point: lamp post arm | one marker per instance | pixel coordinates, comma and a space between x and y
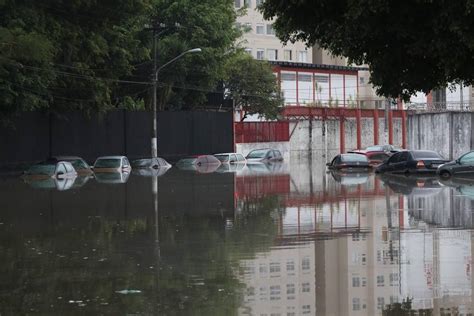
169, 62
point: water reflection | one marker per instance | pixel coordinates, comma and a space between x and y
276, 240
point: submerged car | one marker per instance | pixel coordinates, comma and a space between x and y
112, 164
80, 165
150, 163
349, 178
264, 155
412, 161
375, 157
49, 175
230, 158
200, 163
412, 185
463, 166
389, 149
349, 162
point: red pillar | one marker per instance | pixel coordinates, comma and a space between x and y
342, 136
401, 207
404, 129
359, 129
297, 92
376, 126
390, 127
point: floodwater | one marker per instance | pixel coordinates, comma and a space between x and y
268, 240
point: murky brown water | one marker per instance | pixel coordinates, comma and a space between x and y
270, 240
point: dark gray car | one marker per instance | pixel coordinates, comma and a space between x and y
463, 166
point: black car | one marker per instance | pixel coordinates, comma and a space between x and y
412, 161
349, 162
463, 166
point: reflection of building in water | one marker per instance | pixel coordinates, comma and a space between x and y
280, 282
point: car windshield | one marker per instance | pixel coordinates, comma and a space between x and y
222, 158
374, 148
79, 164
259, 153
354, 158
42, 169
142, 163
426, 155
187, 161
107, 163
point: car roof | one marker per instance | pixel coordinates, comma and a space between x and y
66, 157
111, 157
227, 154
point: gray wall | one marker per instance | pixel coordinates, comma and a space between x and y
310, 138
449, 133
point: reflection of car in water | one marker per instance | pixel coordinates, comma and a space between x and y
227, 167
112, 177
150, 172
51, 175
80, 165
350, 178
463, 166
230, 158
465, 186
412, 185
201, 164
268, 168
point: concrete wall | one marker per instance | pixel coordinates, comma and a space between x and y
450, 133
283, 147
313, 138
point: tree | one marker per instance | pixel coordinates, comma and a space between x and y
68, 54
206, 24
252, 85
409, 46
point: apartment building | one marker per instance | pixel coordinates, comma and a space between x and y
260, 41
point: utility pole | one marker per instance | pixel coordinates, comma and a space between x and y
154, 136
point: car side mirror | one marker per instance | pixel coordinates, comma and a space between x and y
60, 173
328, 164
458, 161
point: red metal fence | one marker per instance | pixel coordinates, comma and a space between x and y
260, 132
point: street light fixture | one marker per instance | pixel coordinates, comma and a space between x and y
154, 143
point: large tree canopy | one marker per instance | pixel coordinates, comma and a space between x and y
410, 46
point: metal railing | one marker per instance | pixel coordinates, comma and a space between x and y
441, 106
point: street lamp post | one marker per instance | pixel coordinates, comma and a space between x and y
154, 143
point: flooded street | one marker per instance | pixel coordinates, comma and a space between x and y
265, 240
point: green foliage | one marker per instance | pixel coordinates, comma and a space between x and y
410, 46
67, 54
206, 24
252, 85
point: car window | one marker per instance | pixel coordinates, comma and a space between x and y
42, 169
468, 158
403, 157
337, 160
60, 169
379, 157
258, 153
107, 163
233, 158
353, 157
374, 148
240, 157
79, 164
278, 154
69, 168
125, 162
270, 154
425, 154
222, 158
394, 158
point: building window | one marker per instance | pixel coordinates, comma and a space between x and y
247, 28
364, 282
274, 267
270, 30
260, 29
290, 266
287, 54
272, 54
260, 54
393, 279
380, 302
356, 304
237, 3
248, 51
305, 288
362, 80
303, 56
355, 282
380, 280
263, 268
306, 309
247, 3
258, 2
290, 289
305, 264
275, 293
